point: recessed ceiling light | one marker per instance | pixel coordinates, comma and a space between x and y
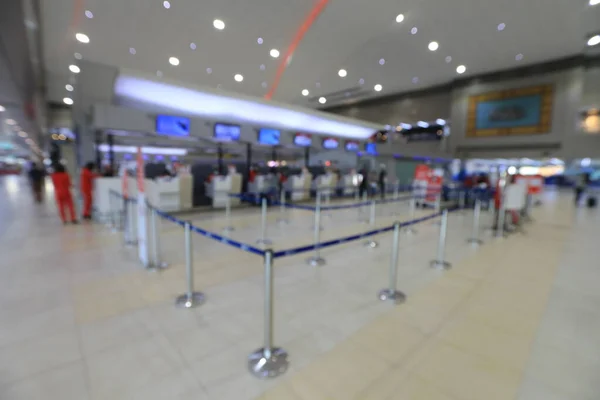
594, 40
381, 61
23, 134
262, 67
342, 73
89, 14
305, 92
274, 53
264, 84
594, 2
415, 79
132, 51
209, 71
218, 24
77, 56
10, 121
259, 40
399, 18
69, 88
414, 30
174, 61
193, 46
238, 77
378, 88
166, 4
448, 59
82, 37
159, 74
501, 26
433, 46
74, 69
461, 69
322, 100
519, 57
68, 100
361, 81
2, 109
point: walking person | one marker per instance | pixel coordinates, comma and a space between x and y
62, 191
87, 187
37, 176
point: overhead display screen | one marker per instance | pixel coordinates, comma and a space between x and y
331, 143
170, 125
351, 145
371, 148
226, 133
269, 137
303, 140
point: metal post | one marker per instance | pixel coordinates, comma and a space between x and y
113, 212
474, 240
191, 298
268, 361
282, 219
155, 236
411, 216
372, 243
130, 237
391, 293
316, 260
501, 219
439, 262
263, 224
228, 227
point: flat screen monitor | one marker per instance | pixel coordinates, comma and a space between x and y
269, 137
331, 143
352, 145
303, 140
226, 133
170, 125
371, 148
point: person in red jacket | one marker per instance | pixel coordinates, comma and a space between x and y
62, 191
87, 187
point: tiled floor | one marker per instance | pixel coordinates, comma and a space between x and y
514, 319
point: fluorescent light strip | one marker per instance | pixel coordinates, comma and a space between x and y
167, 151
235, 109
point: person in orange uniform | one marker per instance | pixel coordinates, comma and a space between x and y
87, 186
62, 191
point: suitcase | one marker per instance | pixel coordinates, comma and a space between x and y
591, 202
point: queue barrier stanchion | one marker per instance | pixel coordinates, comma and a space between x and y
156, 263
439, 262
228, 228
391, 293
268, 361
190, 298
411, 215
371, 243
282, 218
501, 219
263, 224
316, 260
474, 239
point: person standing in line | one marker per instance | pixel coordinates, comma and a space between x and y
381, 181
363, 185
87, 187
62, 191
37, 175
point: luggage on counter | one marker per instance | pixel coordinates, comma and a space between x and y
591, 202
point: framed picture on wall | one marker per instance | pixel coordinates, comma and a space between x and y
523, 111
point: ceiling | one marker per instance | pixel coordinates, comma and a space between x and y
349, 34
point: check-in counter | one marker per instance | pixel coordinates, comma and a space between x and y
221, 187
349, 184
299, 185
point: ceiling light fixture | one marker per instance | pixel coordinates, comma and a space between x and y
594, 2
218, 24
381, 61
501, 26
433, 46
209, 71
440, 121
361, 81
274, 53
166, 4
77, 56
305, 92
378, 87
193, 46
415, 79
322, 100
89, 14
82, 37
399, 18
68, 101
594, 40
448, 59
423, 124
259, 40
414, 30
74, 69
174, 61
519, 57
2, 109
238, 77
461, 69
69, 88
342, 73
132, 51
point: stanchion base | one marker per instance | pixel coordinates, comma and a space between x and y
185, 301
371, 244
392, 295
315, 261
475, 242
264, 242
440, 264
268, 364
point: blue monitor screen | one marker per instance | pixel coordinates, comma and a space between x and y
226, 133
371, 148
330, 143
302, 140
269, 137
352, 146
172, 126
